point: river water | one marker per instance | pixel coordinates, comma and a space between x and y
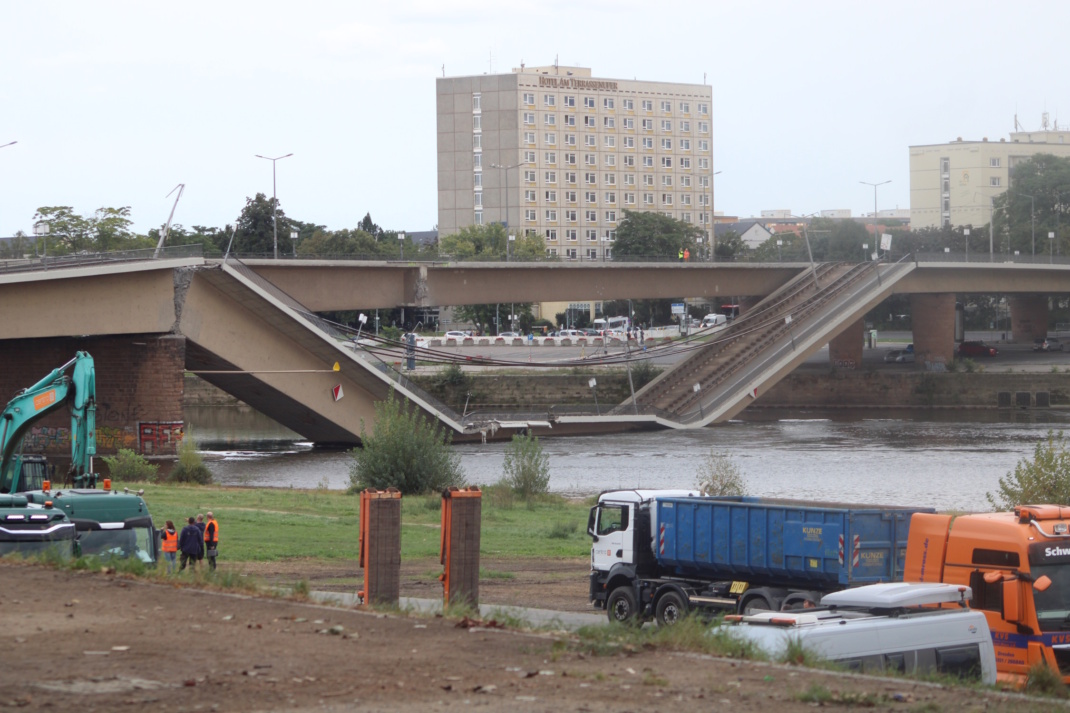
943, 459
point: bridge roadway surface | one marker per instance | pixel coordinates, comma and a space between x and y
264, 344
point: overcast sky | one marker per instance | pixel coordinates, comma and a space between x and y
115, 103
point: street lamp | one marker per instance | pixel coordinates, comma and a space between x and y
1032, 220
274, 200
401, 242
507, 169
711, 195
876, 238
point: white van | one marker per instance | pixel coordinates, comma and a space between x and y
895, 626
713, 320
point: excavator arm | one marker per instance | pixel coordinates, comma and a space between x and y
76, 391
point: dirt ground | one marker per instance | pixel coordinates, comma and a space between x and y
95, 641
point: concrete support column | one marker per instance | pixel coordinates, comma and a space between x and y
1029, 317
933, 316
845, 349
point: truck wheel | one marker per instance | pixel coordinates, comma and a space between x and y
757, 603
671, 609
620, 607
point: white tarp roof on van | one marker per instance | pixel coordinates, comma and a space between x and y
892, 595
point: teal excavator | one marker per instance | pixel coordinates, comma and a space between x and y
108, 523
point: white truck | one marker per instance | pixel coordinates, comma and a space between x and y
881, 628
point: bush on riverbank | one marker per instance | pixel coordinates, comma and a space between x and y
190, 467
527, 467
405, 452
1044, 479
719, 475
130, 466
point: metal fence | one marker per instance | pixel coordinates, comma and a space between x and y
86, 259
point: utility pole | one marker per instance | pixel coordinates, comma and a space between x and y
274, 200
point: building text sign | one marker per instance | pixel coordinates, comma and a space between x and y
576, 83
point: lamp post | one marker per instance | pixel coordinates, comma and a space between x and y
509, 247
1051, 246
779, 242
876, 238
966, 234
507, 169
401, 243
274, 200
865, 251
711, 195
293, 241
1032, 220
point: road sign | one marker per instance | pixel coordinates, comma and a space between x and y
677, 307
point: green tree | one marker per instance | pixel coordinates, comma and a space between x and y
527, 467
729, 246
344, 243
255, 228
67, 231
1044, 479
407, 452
490, 242
483, 315
845, 241
1017, 217
719, 475
653, 235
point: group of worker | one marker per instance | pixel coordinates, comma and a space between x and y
684, 254
198, 540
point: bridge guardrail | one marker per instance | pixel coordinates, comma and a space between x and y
83, 259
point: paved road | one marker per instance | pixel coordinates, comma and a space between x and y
569, 621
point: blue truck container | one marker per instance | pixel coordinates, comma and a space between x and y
821, 546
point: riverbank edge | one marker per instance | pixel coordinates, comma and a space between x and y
803, 389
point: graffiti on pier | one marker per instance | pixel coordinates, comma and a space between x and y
159, 436
52, 439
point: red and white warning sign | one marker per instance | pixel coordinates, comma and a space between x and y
337, 392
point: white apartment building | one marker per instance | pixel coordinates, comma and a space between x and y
953, 184
554, 152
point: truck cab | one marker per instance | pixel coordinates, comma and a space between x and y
1018, 565
29, 529
109, 523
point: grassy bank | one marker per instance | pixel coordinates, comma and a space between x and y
276, 524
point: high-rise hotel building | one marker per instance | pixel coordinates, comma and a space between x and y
554, 152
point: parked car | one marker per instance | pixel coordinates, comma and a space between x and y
571, 333
509, 335
899, 356
977, 349
1047, 344
456, 335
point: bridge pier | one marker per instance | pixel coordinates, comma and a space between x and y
934, 326
845, 349
1029, 317
139, 390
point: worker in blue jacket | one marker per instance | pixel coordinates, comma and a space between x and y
191, 544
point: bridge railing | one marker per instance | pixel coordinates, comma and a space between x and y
84, 259
331, 330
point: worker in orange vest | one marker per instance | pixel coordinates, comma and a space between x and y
169, 545
211, 540
687, 254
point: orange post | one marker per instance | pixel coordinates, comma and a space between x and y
459, 546
380, 546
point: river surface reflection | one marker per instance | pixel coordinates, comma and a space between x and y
947, 460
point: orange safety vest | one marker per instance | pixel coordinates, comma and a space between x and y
169, 541
207, 538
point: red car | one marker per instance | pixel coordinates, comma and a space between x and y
976, 349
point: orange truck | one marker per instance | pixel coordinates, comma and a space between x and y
1018, 565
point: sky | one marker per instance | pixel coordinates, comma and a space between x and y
116, 103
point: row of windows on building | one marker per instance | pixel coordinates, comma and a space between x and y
608, 142
665, 126
608, 103
945, 185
